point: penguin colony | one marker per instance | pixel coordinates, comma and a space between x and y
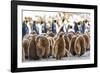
57, 46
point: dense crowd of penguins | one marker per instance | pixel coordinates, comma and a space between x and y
51, 45
57, 36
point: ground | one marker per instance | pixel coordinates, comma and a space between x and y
83, 57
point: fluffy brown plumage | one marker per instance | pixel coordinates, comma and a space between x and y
59, 46
87, 41
42, 46
79, 45
72, 49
